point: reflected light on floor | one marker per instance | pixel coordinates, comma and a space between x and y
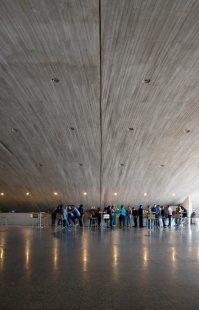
85, 260
173, 255
145, 257
1, 258
115, 261
55, 254
27, 253
115, 254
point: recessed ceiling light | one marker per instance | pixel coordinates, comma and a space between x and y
80, 165
55, 80
173, 194
39, 165
2, 166
2, 194
146, 81
14, 129
121, 165
145, 194
187, 131
130, 129
71, 128
27, 194
161, 166
115, 194
85, 194
55, 193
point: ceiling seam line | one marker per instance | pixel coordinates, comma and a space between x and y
100, 99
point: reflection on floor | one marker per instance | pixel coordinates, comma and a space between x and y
99, 269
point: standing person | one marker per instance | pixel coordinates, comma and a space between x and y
155, 210
65, 218
81, 211
110, 211
53, 215
99, 216
92, 214
163, 216
148, 212
140, 214
135, 215
169, 210
114, 215
184, 213
178, 220
122, 216
128, 216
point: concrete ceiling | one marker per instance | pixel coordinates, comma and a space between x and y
100, 52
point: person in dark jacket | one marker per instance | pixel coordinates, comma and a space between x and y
110, 211
53, 214
140, 214
135, 216
99, 216
163, 215
81, 211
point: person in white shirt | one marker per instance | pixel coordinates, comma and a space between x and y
169, 211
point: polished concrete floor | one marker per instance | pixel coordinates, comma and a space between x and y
99, 269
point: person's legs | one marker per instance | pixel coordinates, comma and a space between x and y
120, 220
111, 221
169, 220
127, 220
123, 219
80, 222
163, 221
72, 218
66, 223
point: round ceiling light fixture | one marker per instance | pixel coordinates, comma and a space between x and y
173, 194
27, 194
146, 81
55, 80
55, 193
2, 194
145, 194
85, 194
115, 194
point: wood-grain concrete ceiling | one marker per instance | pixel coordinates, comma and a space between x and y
100, 51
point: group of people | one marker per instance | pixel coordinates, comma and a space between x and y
127, 216
69, 214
